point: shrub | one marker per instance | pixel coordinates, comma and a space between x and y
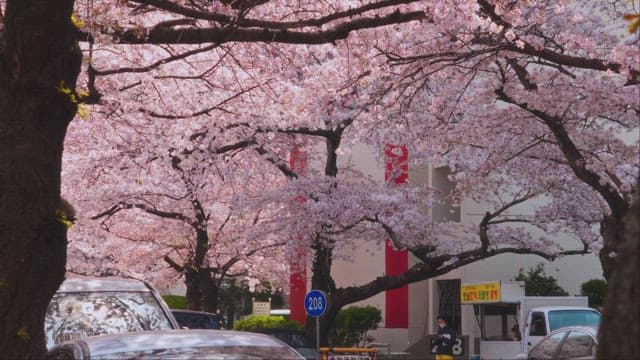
263, 322
537, 283
352, 324
178, 302
595, 289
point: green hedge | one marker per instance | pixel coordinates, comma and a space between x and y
262, 322
178, 302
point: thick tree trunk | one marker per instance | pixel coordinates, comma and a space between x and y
612, 229
38, 55
210, 292
322, 280
202, 290
620, 329
194, 293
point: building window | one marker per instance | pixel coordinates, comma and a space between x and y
444, 209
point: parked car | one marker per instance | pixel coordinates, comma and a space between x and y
88, 306
297, 339
574, 342
176, 344
196, 319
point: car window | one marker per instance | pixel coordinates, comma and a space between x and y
538, 326
75, 315
196, 321
547, 347
562, 318
577, 345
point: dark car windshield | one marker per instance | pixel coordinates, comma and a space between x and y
210, 353
562, 318
196, 320
81, 314
293, 338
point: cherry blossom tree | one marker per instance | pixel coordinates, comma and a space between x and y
172, 215
552, 81
40, 62
524, 101
519, 105
478, 70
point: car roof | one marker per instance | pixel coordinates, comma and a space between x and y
588, 329
182, 311
167, 339
86, 283
554, 308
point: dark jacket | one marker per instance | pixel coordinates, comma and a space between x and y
444, 345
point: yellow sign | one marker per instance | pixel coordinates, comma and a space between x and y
480, 293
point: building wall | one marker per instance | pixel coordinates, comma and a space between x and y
570, 271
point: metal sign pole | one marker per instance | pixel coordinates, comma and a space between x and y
318, 333
315, 304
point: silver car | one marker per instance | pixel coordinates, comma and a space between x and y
176, 344
88, 306
573, 342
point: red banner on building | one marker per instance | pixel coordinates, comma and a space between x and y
298, 272
396, 314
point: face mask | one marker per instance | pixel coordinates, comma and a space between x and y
441, 325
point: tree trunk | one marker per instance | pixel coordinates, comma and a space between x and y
38, 55
612, 229
202, 290
210, 293
194, 293
620, 329
322, 280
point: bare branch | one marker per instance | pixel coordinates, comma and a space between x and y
164, 35
157, 63
144, 207
280, 25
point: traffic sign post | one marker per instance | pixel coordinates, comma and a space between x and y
315, 304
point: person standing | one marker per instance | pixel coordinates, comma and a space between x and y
444, 340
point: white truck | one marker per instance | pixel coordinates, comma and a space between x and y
510, 323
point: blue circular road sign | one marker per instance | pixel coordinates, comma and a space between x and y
315, 303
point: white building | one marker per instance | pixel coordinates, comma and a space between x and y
441, 295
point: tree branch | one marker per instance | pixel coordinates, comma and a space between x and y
280, 25
155, 64
576, 161
144, 207
550, 55
173, 264
422, 271
164, 35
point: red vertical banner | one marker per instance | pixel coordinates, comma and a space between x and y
298, 272
396, 312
